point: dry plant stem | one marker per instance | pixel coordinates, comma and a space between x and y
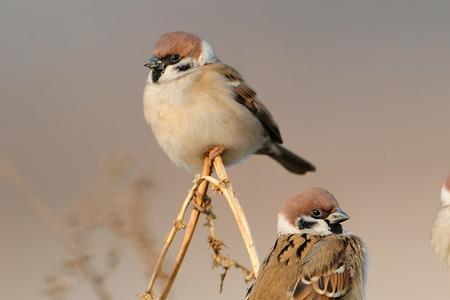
219, 259
190, 228
48, 217
177, 225
227, 191
94, 280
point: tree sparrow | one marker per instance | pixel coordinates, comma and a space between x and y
195, 103
440, 234
313, 257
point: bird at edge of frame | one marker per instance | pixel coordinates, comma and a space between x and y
194, 104
313, 258
440, 233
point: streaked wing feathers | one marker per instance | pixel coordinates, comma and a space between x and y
246, 96
279, 271
329, 268
330, 286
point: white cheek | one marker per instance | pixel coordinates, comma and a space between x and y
171, 72
284, 227
321, 227
445, 197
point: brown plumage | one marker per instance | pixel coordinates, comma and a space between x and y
304, 265
447, 183
183, 43
194, 102
245, 95
306, 201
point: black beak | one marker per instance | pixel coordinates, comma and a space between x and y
337, 217
154, 63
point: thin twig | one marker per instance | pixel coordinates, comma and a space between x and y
201, 204
177, 225
190, 228
227, 191
219, 259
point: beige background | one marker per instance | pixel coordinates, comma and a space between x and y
360, 88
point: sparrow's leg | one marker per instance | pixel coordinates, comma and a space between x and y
213, 152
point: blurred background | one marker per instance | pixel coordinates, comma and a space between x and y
359, 88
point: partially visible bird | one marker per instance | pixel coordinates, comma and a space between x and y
195, 103
313, 258
440, 233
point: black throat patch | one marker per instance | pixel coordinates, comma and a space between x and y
156, 74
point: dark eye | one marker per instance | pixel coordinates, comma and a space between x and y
174, 58
316, 213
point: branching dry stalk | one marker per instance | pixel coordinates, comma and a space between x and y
197, 196
81, 262
227, 191
199, 202
109, 206
220, 260
177, 225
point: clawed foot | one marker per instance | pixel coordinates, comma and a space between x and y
215, 151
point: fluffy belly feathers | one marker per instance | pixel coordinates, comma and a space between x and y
187, 124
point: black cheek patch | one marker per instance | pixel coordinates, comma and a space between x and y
183, 68
303, 224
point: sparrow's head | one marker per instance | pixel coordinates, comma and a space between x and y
445, 192
313, 211
177, 54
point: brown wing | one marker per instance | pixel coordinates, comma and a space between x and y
332, 285
309, 267
246, 96
279, 272
332, 268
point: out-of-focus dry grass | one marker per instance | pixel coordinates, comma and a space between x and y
114, 210
100, 224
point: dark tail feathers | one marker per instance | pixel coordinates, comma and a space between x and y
288, 159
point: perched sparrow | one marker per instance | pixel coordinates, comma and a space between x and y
440, 234
313, 257
194, 103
